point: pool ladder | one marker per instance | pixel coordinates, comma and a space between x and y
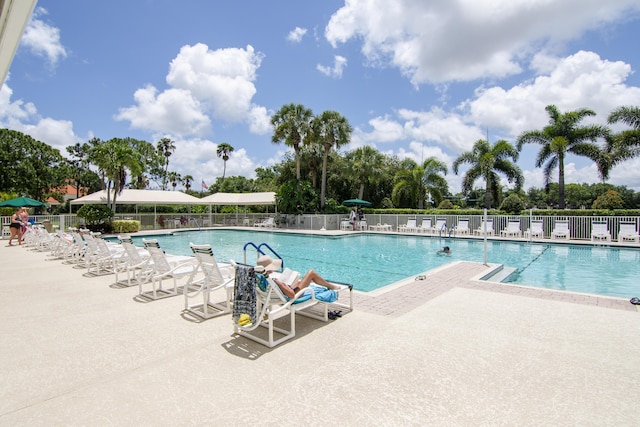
260, 249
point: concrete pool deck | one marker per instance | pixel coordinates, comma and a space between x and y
447, 350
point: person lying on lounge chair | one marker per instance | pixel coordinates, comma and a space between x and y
292, 284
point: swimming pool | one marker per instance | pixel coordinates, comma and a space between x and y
371, 261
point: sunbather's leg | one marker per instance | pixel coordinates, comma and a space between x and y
312, 277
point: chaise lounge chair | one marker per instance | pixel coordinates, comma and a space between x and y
267, 223
535, 230
512, 229
208, 277
425, 227
628, 233
600, 231
271, 304
411, 225
161, 269
462, 227
561, 230
480, 231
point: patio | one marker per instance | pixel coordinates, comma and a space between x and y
77, 351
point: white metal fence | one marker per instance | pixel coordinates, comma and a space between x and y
579, 226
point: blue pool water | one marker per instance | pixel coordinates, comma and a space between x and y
371, 261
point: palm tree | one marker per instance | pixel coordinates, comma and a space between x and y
330, 129
113, 158
624, 145
486, 161
174, 177
187, 180
561, 136
311, 155
165, 147
415, 182
292, 124
223, 151
366, 165
434, 183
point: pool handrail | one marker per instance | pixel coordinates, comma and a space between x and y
260, 251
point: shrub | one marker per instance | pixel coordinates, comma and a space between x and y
126, 226
445, 204
512, 204
95, 214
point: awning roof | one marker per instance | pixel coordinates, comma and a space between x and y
240, 199
141, 197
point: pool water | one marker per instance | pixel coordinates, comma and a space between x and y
371, 261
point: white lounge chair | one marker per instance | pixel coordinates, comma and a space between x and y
411, 225
272, 303
136, 263
480, 231
600, 231
462, 227
441, 225
208, 277
561, 230
425, 226
162, 269
267, 223
512, 230
628, 232
536, 229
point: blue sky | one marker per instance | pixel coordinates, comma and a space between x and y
414, 78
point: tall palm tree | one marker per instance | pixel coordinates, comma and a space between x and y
486, 161
165, 147
174, 177
223, 151
366, 165
187, 180
113, 158
330, 129
624, 145
311, 155
434, 183
292, 124
561, 136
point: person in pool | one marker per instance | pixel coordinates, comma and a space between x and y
445, 251
270, 265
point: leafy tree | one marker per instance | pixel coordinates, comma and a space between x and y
331, 130
445, 204
297, 197
151, 161
223, 150
608, 200
561, 136
27, 166
165, 148
621, 146
415, 182
486, 161
292, 125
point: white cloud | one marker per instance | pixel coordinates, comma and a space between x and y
205, 85
296, 34
339, 62
582, 80
173, 111
462, 40
42, 39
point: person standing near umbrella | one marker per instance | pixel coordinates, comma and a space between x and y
16, 226
353, 219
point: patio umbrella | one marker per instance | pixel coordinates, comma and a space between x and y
357, 202
22, 202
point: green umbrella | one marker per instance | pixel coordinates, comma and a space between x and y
357, 202
22, 202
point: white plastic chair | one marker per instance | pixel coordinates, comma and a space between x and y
628, 233
535, 230
561, 230
600, 231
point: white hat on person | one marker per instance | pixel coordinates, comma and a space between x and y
268, 263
